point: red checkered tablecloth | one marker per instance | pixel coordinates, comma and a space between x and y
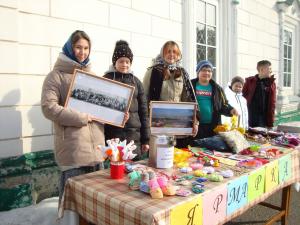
104, 201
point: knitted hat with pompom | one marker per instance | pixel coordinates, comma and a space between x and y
122, 50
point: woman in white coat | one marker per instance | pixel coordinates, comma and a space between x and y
236, 100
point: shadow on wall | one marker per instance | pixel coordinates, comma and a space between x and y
41, 132
11, 125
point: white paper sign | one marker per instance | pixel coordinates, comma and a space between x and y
165, 157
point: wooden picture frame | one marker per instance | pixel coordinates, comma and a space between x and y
172, 118
106, 100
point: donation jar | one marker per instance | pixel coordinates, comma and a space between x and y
161, 152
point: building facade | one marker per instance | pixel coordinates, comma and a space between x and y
232, 34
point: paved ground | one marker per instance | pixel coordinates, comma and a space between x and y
258, 215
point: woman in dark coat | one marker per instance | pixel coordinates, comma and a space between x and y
168, 81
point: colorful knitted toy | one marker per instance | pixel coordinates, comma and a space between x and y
166, 187
135, 179
144, 186
155, 190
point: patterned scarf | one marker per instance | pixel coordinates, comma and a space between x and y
176, 67
68, 51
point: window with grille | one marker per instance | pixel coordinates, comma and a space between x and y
287, 58
206, 28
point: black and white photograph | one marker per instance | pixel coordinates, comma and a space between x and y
172, 118
106, 100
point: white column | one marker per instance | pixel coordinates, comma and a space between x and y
281, 51
234, 39
281, 98
228, 25
297, 57
189, 37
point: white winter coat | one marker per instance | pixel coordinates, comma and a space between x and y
237, 101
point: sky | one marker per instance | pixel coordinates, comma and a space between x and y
171, 112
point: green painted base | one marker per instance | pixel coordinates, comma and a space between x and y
287, 117
27, 179
15, 197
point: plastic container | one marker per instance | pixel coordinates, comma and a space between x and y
117, 170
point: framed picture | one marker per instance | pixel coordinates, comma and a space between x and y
172, 118
106, 100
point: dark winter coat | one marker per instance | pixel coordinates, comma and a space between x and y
153, 82
219, 103
137, 127
248, 93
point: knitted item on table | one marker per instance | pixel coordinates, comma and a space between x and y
227, 173
144, 187
135, 180
215, 177
155, 190
166, 187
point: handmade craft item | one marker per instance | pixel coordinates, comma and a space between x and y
118, 151
197, 189
185, 169
201, 179
196, 166
181, 155
144, 184
227, 173
208, 170
250, 163
135, 179
166, 187
199, 173
155, 190
215, 177
183, 192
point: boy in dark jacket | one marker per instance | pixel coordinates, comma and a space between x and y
260, 93
211, 100
137, 126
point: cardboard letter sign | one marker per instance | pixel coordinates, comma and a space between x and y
237, 194
215, 205
285, 168
256, 184
189, 213
271, 175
